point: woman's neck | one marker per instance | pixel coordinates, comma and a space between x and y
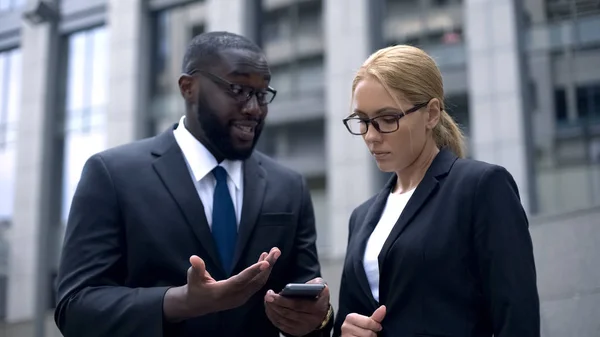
411, 176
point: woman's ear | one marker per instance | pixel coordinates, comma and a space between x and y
434, 113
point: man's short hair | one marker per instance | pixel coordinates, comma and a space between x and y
204, 49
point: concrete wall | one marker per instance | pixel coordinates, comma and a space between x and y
495, 96
348, 157
567, 248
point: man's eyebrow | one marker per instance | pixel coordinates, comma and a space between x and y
238, 73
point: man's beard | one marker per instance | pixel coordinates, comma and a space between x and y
219, 136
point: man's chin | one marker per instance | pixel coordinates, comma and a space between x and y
239, 153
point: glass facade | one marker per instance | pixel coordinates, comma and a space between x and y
10, 88
85, 102
564, 68
173, 29
437, 28
293, 42
8, 5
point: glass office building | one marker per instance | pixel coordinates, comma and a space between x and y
521, 77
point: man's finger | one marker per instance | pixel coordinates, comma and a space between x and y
273, 256
259, 280
198, 268
294, 304
317, 280
292, 317
247, 275
262, 257
379, 314
280, 320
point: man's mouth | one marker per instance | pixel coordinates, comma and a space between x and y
245, 129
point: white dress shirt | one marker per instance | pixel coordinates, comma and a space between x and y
393, 208
200, 163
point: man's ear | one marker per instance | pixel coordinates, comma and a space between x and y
187, 88
434, 113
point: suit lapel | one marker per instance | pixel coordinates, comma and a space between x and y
439, 167
172, 170
255, 184
371, 220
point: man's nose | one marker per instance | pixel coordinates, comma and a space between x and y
252, 107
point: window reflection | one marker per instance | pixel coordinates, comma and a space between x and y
86, 98
9, 5
173, 29
10, 89
564, 66
10, 67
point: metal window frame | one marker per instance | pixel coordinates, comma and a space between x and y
10, 29
160, 5
79, 15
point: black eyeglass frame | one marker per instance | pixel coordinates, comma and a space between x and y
374, 122
235, 89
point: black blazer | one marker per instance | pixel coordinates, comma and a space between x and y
135, 220
458, 263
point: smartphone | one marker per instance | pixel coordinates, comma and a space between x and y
303, 290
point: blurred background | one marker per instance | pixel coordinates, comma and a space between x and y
522, 77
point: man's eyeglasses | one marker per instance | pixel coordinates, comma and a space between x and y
241, 93
386, 123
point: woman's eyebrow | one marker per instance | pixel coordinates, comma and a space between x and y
377, 112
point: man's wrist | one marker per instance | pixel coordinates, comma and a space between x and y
327, 318
175, 306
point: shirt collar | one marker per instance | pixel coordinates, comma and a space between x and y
200, 160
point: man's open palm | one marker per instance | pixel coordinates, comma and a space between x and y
208, 295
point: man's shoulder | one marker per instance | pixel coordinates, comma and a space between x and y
276, 170
126, 154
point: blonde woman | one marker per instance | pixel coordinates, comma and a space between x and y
444, 249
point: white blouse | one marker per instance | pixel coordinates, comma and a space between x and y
393, 208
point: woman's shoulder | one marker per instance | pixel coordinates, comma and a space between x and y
472, 168
480, 174
362, 209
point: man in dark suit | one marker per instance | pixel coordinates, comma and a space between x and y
196, 194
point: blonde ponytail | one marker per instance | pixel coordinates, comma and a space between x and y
448, 134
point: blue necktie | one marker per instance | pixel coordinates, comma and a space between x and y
224, 223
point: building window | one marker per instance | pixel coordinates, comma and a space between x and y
299, 79
560, 105
10, 67
10, 88
560, 10
293, 32
10, 95
173, 28
9, 5
86, 99
588, 102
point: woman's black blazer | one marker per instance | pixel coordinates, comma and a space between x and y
458, 262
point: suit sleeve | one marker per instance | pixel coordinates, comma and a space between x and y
343, 308
306, 266
92, 300
505, 256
